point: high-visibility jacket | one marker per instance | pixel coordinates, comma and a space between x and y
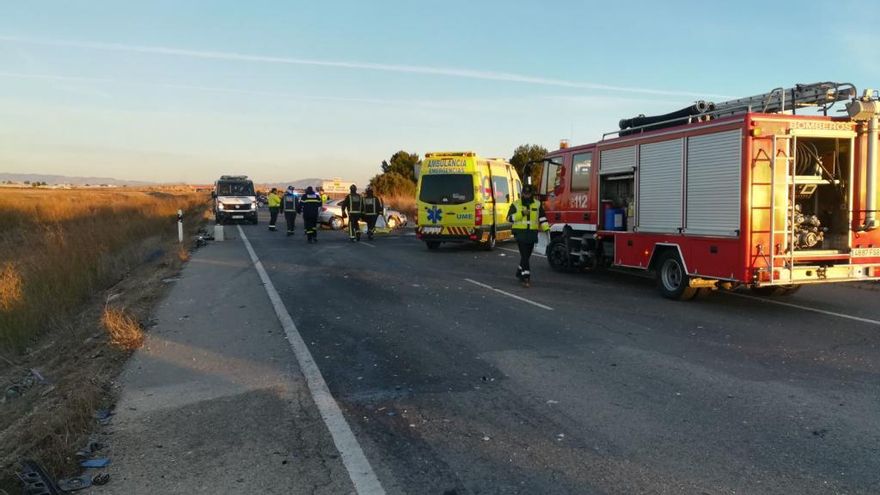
528, 220
324, 198
372, 205
354, 203
274, 200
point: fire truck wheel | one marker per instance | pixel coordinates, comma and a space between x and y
558, 256
673, 280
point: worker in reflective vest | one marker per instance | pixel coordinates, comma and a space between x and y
274, 201
528, 218
372, 210
324, 197
310, 206
289, 206
354, 205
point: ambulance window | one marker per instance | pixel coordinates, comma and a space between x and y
447, 189
581, 166
502, 189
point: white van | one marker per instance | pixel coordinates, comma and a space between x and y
234, 199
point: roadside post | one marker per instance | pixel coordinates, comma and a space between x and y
180, 226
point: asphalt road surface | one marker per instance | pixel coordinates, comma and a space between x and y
584, 383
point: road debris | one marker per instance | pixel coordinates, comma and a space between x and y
97, 462
35, 480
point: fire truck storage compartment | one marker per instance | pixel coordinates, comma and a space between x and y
818, 215
617, 186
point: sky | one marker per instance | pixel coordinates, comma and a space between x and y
184, 91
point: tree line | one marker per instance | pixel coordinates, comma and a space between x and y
398, 176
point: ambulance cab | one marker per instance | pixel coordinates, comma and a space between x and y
462, 197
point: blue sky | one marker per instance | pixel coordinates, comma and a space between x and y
281, 90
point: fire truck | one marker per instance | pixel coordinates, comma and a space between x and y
749, 192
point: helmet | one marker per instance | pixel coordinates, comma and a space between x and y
290, 188
353, 188
309, 190
527, 189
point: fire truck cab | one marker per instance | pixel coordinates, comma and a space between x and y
739, 193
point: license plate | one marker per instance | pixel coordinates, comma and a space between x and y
866, 252
431, 230
237, 217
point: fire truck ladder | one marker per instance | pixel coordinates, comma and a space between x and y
780, 100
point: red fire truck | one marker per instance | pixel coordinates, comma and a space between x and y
749, 192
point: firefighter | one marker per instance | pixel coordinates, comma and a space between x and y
354, 205
274, 201
372, 209
528, 218
290, 205
309, 206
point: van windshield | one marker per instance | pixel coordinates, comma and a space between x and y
450, 189
235, 189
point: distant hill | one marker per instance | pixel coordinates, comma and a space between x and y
299, 184
64, 179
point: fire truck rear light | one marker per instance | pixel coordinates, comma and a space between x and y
756, 132
473, 237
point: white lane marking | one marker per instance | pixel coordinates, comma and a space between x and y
534, 253
365, 243
356, 463
807, 308
508, 294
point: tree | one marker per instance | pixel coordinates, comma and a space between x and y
401, 163
393, 184
525, 153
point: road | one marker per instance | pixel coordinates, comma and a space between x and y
452, 387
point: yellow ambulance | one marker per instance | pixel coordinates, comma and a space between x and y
462, 197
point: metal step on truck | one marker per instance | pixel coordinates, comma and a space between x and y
749, 192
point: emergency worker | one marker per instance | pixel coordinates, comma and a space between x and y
528, 218
274, 201
372, 209
309, 206
290, 205
354, 205
324, 197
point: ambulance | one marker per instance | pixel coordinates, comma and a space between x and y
462, 197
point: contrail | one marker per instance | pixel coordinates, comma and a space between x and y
409, 69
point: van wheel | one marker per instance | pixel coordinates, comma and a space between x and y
672, 280
432, 245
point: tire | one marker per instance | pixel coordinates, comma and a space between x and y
775, 290
336, 223
672, 279
393, 222
432, 245
558, 256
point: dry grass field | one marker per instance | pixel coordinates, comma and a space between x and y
80, 272
60, 246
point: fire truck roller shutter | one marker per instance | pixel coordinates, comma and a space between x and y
660, 176
617, 160
714, 172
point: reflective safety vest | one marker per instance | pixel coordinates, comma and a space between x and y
274, 200
324, 198
290, 202
355, 203
371, 205
528, 217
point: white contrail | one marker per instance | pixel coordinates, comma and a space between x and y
411, 69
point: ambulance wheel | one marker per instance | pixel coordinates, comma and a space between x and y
432, 245
672, 279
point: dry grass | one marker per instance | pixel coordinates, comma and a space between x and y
402, 203
124, 331
64, 255
60, 247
